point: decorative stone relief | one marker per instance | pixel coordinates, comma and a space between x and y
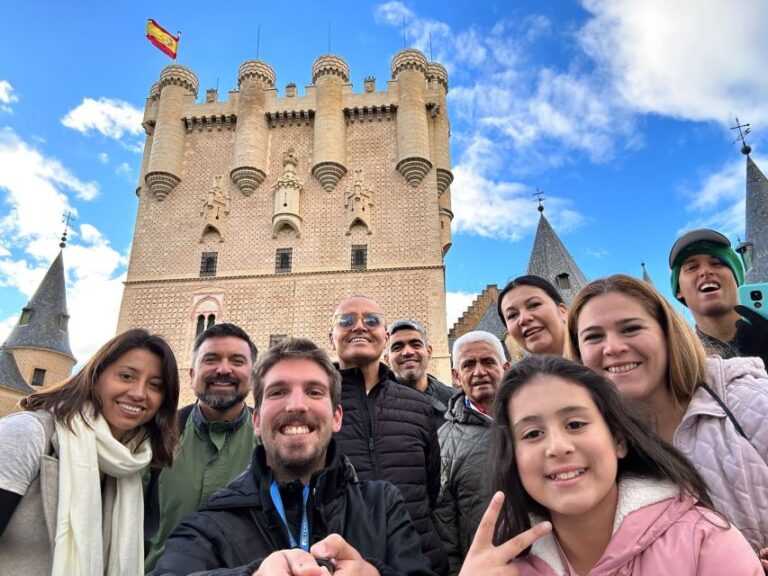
287, 196
215, 210
358, 205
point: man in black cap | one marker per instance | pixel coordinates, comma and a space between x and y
706, 273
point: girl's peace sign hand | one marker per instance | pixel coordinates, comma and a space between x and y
485, 558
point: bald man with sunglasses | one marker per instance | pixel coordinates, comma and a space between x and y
388, 431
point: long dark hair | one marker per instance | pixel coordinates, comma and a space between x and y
528, 280
73, 395
647, 454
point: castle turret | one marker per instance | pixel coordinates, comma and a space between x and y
329, 74
177, 84
440, 148
40, 340
409, 68
252, 133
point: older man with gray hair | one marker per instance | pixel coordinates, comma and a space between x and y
478, 365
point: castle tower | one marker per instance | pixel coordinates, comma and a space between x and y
329, 75
39, 343
177, 85
409, 68
551, 260
440, 147
757, 222
252, 135
277, 261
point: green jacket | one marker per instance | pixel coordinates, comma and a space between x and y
212, 454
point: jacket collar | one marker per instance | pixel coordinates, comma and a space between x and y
634, 494
350, 376
460, 414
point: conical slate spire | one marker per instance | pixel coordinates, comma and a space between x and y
43, 322
646, 276
550, 260
757, 222
10, 377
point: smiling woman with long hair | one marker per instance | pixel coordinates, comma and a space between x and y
70, 484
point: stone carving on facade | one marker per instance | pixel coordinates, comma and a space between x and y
215, 210
358, 203
287, 197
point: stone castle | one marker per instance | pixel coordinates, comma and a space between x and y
267, 211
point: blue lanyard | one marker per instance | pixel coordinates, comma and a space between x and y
277, 500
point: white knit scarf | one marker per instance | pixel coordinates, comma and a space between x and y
78, 548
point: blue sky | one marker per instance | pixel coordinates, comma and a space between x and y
618, 110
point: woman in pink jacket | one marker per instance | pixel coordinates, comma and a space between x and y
712, 410
604, 494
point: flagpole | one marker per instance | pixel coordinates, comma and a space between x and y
178, 45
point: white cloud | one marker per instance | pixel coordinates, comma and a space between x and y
456, 303
691, 59
112, 118
717, 199
7, 96
36, 187
36, 195
103, 157
497, 208
125, 171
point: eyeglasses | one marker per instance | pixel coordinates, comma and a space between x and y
370, 320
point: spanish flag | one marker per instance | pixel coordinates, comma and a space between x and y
161, 38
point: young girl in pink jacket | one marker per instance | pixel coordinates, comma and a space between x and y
604, 494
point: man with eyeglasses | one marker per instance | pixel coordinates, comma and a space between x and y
408, 355
388, 431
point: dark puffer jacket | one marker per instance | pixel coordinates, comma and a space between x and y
390, 434
464, 444
238, 526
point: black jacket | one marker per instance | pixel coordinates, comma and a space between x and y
464, 492
238, 526
439, 394
390, 434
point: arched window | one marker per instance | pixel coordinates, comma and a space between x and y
200, 325
208, 263
211, 321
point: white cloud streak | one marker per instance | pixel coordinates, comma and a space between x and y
7, 97
112, 118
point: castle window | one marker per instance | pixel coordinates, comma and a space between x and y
276, 339
203, 323
359, 256
208, 264
26, 316
38, 377
63, 321
563, 281
283, 260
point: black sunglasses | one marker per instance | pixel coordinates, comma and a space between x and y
370, 320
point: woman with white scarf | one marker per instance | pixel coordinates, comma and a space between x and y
71, 498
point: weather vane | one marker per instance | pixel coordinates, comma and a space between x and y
745, 148
539, 197
67, 218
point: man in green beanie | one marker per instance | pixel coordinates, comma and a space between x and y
706, 272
